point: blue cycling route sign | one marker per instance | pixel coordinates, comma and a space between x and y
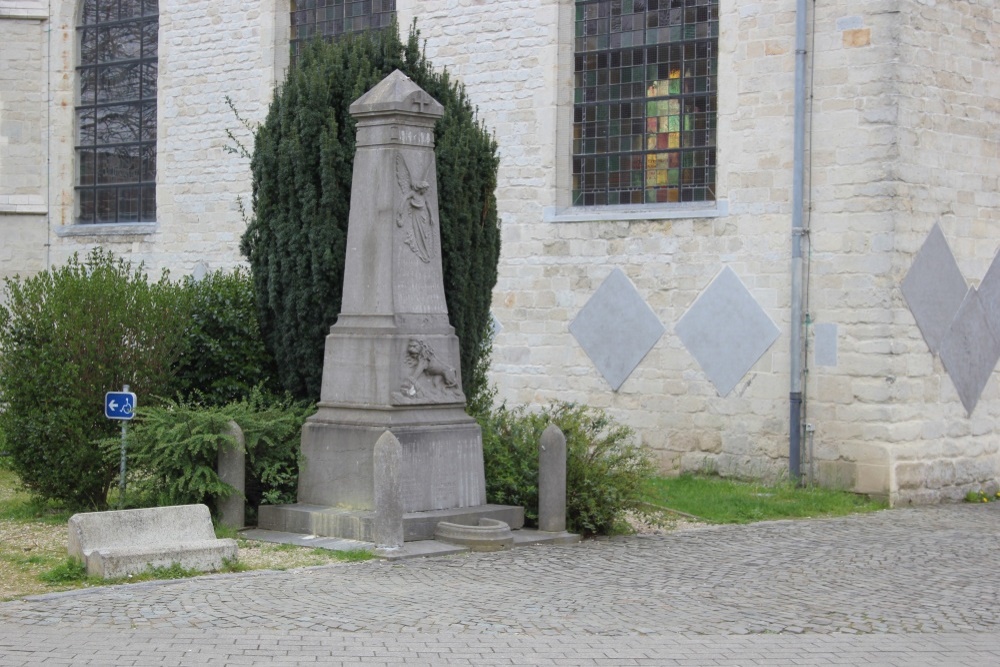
119, 405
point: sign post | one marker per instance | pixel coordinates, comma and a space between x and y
120, 405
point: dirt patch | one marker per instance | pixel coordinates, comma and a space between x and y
26, 550
664, 523
29, 548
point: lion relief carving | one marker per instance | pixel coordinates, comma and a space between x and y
425, 377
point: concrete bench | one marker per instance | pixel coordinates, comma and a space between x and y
116, 544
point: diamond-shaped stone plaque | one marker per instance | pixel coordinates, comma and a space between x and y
616, 328
495, 325
989, 295
934, 288
726, 331
970, 351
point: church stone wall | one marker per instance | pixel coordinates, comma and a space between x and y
23, 225
949, 173
881, 404
208, 51
550, 268
901, 137
903, 103
852, 290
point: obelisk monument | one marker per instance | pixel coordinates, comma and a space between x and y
392, 358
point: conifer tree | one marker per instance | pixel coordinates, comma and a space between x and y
302, 167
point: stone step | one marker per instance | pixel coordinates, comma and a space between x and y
522, 538
359, 524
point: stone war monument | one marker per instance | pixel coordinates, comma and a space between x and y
392, 358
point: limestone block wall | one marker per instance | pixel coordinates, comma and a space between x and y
552, 265
208, 51
23, 32
949, 172
881, 405
905, 98
901, 137
853, 196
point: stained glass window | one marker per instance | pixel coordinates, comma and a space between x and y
116, 111
330, 18
644, 113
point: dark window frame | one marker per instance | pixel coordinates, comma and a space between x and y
116, 111
332, 18
645, 102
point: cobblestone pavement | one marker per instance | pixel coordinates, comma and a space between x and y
903, 587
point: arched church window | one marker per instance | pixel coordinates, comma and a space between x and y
331, 18
116, 111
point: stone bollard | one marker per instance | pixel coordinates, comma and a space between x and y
388, 528
232, 471
552, 480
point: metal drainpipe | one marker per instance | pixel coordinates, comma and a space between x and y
798, 231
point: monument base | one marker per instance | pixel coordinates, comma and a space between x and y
441, 467
359, 524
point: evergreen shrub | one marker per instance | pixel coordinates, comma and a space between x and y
224, 358
302, 170
67, 336
173, 450
605, 469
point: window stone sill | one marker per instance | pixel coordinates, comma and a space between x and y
32, 10
109, 229
716, 209
23, 209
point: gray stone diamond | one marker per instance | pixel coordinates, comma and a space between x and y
970, 350
726, 331
934, 288
989, 295
616, 328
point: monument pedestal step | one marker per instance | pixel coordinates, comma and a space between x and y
359, 524
522, 538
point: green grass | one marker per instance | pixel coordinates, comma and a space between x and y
718, 500
19, 505
349, 556
70, 571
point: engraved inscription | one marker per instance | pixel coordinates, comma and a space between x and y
416, 137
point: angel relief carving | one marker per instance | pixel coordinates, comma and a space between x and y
414, 215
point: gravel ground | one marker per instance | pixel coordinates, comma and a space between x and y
28, 549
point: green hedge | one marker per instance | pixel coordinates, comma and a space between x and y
67, 336
173, 451
72, 333
605, 469
224, 357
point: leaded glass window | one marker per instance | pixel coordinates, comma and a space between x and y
330, 18
116, 114
644, 113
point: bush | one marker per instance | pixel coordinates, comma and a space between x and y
302, 170
67, 336
174, 450
605, 470
224, 357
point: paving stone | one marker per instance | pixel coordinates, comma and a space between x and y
911, 587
